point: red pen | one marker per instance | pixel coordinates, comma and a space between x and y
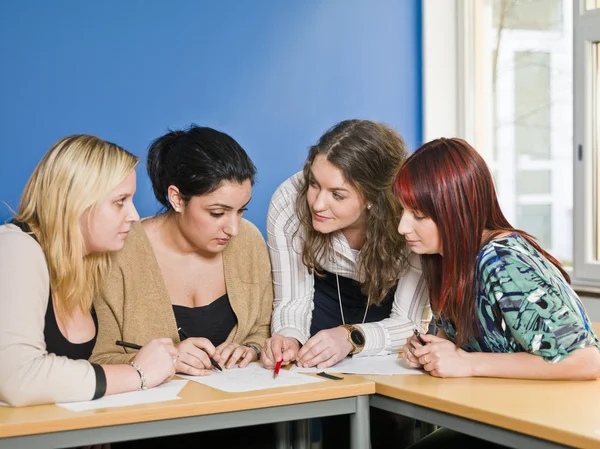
277, 367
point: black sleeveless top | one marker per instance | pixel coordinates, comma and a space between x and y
213, 321
326, 313
56, 343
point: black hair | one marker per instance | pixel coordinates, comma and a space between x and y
196, 161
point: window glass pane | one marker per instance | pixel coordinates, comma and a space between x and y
545, 15
534, 182
532, 104
591, 4
536, 219
530, 79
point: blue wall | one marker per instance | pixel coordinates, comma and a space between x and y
274, 74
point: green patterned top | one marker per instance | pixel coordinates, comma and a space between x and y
524, 304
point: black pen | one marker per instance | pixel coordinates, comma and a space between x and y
128, 345
212, 361
418, 335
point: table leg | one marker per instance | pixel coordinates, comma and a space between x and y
282, 435
360, 430
301, 434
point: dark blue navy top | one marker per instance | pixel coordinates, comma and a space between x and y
326, 313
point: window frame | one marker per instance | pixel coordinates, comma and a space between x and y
586, 32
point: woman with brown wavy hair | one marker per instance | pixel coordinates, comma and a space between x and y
344, 280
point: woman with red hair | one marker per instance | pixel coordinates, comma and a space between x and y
503, 306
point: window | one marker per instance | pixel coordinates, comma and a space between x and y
513, 100
586, 133
528, 57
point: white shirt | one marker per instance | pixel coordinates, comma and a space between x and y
294, 285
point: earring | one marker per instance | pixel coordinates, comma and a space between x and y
177, 209
369, 206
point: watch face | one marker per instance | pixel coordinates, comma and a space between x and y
357, 338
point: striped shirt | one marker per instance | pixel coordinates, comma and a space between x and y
294, 285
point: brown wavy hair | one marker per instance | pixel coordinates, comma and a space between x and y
369, 154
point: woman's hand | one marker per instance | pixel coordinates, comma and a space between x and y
279, 348
230, 354
194, 355
442, 358
407, 352
325, 348
157, 360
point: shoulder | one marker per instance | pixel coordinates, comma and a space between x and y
281, 215
23, 267
512, 263
248, 240
285, 195
136, 246
18, 246
246, 255
249, 231
505, 252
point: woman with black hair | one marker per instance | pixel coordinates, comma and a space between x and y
199, 266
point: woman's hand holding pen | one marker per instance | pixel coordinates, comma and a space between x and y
156, 361
230, 354
441, 358
412, 343
194, 355
279, 348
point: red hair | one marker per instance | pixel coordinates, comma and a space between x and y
448, 181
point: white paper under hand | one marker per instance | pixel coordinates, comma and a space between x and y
165, 392
386, 364
253, 377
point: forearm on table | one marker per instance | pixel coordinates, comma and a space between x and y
582, 364
121, 378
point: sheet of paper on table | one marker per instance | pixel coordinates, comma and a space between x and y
253, 377
165, 392
385, 364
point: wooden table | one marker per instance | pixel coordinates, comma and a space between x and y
201, 408
516, 413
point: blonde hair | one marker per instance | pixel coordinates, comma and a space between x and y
74, 176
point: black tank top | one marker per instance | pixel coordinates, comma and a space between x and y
213, 321
56, 343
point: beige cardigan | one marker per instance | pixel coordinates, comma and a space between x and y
28, 373
134, 304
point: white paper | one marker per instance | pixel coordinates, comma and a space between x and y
386, 364
253, 377
165, 392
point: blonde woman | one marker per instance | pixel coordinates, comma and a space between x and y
76, 208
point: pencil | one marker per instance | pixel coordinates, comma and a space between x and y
213, 362
128, 345
277, 368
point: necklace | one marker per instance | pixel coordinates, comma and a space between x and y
337, 281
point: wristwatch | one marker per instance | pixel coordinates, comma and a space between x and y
256, 347
355, 337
